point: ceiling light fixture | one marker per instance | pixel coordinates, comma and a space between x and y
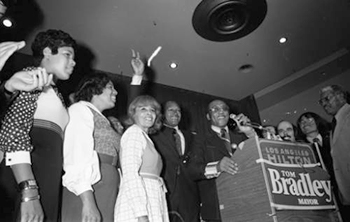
226, 20
283, 40
7, 22
173, 65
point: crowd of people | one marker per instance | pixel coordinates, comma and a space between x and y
73, 163
330, 141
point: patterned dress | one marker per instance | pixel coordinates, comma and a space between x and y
142, 191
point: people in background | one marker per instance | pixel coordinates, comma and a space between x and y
333, 101
142, 190
116, 124
270, 132
314, 129
174, 145
287, 131
31, 134
212, 152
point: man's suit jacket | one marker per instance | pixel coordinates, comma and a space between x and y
210, 148
182, 195
340, 150
325, 151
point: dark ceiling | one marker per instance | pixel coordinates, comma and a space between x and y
317, 32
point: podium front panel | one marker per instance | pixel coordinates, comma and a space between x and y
247, 196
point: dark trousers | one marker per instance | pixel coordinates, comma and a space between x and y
46, 160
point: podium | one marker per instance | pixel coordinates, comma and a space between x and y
276, 181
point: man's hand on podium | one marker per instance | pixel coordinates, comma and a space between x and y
227, 165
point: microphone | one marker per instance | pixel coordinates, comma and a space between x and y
253, 125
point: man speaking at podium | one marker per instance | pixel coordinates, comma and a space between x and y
212, 154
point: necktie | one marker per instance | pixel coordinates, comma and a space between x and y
227, 142
177, 142
334, 123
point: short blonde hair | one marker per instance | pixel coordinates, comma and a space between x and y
145, 100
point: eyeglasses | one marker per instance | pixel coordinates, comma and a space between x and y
326, 99
217, 109
306, 120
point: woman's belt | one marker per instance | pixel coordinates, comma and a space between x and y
107, 159
154, 177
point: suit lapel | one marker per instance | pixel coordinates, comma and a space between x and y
216, 141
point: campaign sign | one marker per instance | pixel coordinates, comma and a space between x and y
306, 187
286, 152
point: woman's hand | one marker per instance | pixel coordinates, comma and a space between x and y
24, 80
90, 212
7, 49
32, 211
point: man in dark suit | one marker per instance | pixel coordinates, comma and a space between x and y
174, 146
212, 155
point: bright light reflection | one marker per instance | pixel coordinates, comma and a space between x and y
7, 22
283, 40
173, 65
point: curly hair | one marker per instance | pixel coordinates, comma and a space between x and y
90, 86
145, 100
52, 39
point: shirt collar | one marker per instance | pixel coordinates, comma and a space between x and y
311, 140
91, 106
172, 127
218, 129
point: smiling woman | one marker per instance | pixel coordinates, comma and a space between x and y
142, 190
90, 151
32, 129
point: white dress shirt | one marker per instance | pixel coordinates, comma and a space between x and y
80, 160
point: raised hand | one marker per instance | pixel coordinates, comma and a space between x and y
137, 65
31, 80
7, 49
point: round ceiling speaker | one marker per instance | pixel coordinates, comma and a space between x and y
226, 20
